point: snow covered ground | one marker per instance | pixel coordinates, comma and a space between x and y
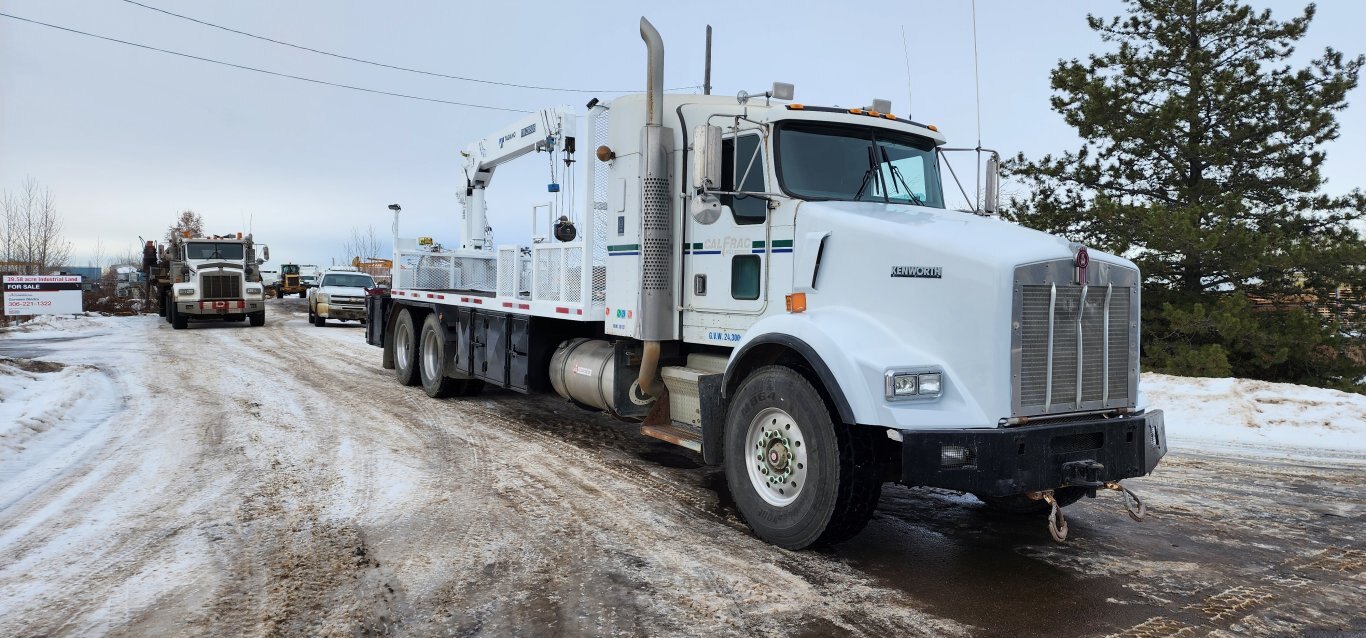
1257, 417
295, 489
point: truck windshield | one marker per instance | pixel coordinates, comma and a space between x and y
213, 250
289, 270
349, 280
821, 161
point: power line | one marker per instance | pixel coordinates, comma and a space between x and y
275, 73
381, 64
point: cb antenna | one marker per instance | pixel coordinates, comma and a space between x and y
910, 92
977, 83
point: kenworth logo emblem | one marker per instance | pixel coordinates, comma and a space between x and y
928, 272
1082, 262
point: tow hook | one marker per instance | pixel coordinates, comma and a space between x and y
1132, 504
1057, 525
1085, 474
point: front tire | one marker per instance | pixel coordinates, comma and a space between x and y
178, 321
303, 293
799, 477
405, 349
319, 320
257, 319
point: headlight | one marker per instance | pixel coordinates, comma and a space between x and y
914, 383
184, 292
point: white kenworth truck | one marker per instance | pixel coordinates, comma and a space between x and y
780, 288
217, 277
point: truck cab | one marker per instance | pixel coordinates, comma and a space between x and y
340, 295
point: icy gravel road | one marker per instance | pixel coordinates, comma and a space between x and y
227, 480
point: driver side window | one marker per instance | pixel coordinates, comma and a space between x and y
750, 174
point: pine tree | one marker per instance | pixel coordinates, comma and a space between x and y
1201, 161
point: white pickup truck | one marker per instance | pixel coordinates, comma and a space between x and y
339, 294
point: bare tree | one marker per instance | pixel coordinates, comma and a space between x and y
31, 239
363, 245
187, 221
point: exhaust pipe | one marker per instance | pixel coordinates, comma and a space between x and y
657, 314
654, 76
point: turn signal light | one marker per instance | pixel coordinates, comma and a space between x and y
796, 302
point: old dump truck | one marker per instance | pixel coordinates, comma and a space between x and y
206, 278
780, 288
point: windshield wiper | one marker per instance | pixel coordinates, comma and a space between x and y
867, 175
896, 175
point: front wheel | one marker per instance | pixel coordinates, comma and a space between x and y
257, 318
319, 320
799, 478
178, 321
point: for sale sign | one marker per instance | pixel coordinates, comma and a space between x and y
42, 294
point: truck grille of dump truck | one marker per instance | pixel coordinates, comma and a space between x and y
1074, 344
221, 286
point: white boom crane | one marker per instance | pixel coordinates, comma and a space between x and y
545, 130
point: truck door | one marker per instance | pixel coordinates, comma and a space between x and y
727, 260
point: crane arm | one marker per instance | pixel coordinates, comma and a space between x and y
545, 130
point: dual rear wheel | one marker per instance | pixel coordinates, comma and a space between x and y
420, 357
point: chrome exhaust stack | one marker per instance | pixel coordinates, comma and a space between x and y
657, 316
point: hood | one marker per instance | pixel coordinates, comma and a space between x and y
922, 231
344, 291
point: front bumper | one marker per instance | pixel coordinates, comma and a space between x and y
1006, 461
341, 311
220, 307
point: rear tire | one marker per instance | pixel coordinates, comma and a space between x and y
405, 349
1022, 505
161, 306
302, 294
798, 476
432, 360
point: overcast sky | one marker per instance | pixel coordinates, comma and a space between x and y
126, 137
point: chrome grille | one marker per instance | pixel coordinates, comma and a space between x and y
221, 286
1075, 345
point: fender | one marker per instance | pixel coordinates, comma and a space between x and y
850, 351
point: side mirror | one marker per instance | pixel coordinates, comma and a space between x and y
782, 91
992, 202
265, 253
706, 153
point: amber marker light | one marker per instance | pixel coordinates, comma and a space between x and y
796, 302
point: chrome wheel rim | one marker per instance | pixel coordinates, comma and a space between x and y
403, 345
776, 457
431, 361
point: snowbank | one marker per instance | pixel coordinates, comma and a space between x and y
1234, 413
43, 325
